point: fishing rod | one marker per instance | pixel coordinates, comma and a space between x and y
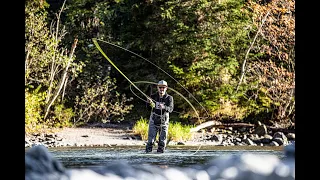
99, 48
158, 68
131, 83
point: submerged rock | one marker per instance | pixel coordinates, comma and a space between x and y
40, 164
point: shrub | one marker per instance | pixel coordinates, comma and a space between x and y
33, 110
179, 132
176, 132
63, 116
141, 128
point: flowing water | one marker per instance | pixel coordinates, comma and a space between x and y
175, 156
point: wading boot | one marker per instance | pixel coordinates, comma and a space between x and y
160, 150
148, 148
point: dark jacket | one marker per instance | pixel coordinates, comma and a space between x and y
166, 99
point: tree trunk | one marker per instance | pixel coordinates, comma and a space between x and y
63, 78
236, 125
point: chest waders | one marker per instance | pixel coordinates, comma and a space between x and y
158, 124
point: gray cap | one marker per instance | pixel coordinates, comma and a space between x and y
162, 83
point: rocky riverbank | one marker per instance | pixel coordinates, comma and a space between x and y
104, 135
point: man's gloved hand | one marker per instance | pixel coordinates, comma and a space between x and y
152, 104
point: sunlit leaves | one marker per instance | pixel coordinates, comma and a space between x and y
274, 69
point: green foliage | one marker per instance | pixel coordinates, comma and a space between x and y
179, 132
202, 44
46, 57
86, 91
38, 41
101, 103
63, 116
207, 42
34, 101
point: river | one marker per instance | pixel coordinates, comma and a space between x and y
174, 156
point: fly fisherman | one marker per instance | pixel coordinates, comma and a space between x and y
162, 105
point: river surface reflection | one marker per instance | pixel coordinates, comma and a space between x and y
174, 156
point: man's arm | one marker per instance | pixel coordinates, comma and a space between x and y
169, 106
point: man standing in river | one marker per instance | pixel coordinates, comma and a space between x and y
162, 104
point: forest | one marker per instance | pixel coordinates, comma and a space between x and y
226, 60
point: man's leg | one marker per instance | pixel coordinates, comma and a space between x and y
163, 135
152, 132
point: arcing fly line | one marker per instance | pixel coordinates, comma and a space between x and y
131, 83
101, 51
94, 39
